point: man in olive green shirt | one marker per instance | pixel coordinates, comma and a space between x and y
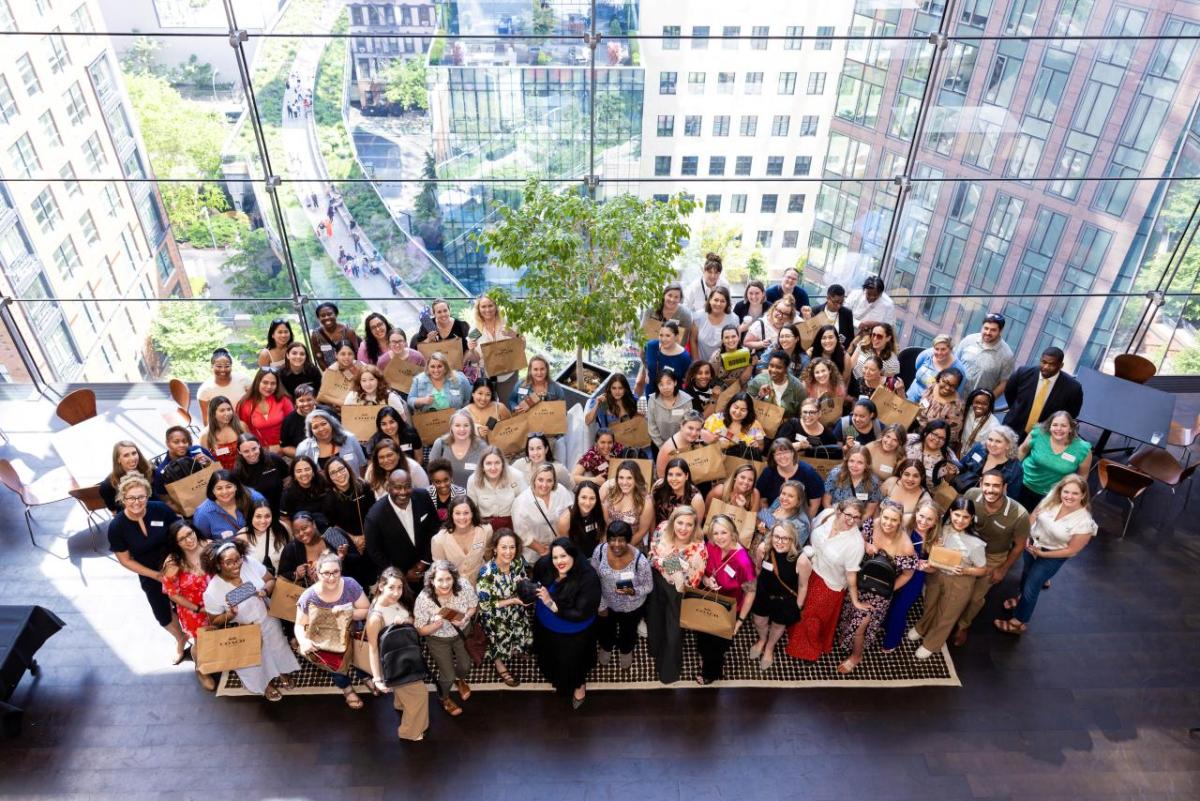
1003, 524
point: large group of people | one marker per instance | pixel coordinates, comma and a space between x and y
825, 521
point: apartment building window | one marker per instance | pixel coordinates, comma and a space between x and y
689, 165
670, 37
67, 173
28, 75
737, 204
725, 81
712, 203
795, 34
662, 165
81, 19
748, 125
666, 124
77, 108
731, 34
661, 198
808, 125
768, 204
7, 23
764, 239
802, 165
66, 258
795, 204
824, 44
87, 226
696, 83
780, 125
787, 83
791, 238
742, 165
112, 199
753, 84
774, 165
45, 210
50, 129
24, 157
759, 32
699, 37
816, 83
691, 125
716, 165
8, 104
93, 153
59, 57
666, 82
721, 125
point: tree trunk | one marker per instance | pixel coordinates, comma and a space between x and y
579, 369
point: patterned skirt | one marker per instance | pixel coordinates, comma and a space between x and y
812, 637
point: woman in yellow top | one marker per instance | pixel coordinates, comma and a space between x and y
734, 426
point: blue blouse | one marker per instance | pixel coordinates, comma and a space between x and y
655, 361
210, 520
972, 470
838, 493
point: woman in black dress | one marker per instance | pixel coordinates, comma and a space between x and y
260, 469
777, 597
564, 634
306, 491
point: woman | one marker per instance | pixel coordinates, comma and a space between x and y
735, 426
753, 304
880, 342
349, 501
564, 638
853, 480
443, 614
228, 508
393, 606
625, 582
298, 559
484, 409
948, 590
494, 488
372, 389
594, 462
325, 438
923, 530
536, 387
583, 523
887, 452
223, 383
265, 407
777, 599
909, 488
998, 451
625, 497
326, 339
265, 535
738, 490
228, 568
127, 460
375, 340
979, 419
823, 381
184, 582
678, 556
872, 378
1052, 451
390, 423
675, 489
930, 363
443, 327
442, 489
501, 610
930, 447
666, 407
1060, 527
788, 341
828, 345
260, 470
782, 466
538, 452
137, 536
616, 404
298, 369
438, 387
705, 335
685, 439
536, 511
731, 342
387, 456
345, 361
224, 427
660, 354
490, 327
942, 402
859, 628
462, 539
765, 330
279, 337
337, 594
181, 459
305, 491
729, 572
700, 382
461, 447
669, 308
788, 508
807, 434
398, 349
825, 577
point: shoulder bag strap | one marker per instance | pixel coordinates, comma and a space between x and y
795, 592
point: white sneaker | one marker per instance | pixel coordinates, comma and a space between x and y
642, 631
923, 653
913, 635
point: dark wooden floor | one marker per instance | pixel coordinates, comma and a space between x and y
1094, 703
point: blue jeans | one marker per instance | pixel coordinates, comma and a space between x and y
1035, 571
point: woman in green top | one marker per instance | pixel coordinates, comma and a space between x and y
1054, 449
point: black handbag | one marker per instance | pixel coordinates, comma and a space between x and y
877, 575
400, 655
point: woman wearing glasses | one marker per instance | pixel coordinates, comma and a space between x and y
335, 593
184, 582
880, 341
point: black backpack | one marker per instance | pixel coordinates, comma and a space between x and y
400, 655
877, 575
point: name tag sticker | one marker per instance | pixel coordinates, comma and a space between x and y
469, 466
862, 496
886, 468
976, 457
729, 571
766, 565
406, 447
625, 575
225, 451
327, 348
156, 523
678, 412
1070, 457
522, 390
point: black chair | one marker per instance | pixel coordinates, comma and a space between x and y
908, 364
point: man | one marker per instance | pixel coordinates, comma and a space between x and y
324, 339
871, 305
788, 285
834, 312
778, 386
696, 295
988, 358
1036, 393
1003, 524
400, 527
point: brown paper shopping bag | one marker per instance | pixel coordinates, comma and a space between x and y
706, 463
229, 648
549, 417
334, 387
399, 373
743, 519
632, 433
727, 395
831, 410
894, 409
504, 356
450, 348
509, 435
360, 421
769, 416
189, 492
708, 612
645, 465
284, 598
431, 425
361, 657
822, 466
808, 330
944, 495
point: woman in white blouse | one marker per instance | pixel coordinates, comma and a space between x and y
494, 488
1059, 528
536, 511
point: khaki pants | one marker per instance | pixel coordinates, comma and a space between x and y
980, 590
412, 702
945, 599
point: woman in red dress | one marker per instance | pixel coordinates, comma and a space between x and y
184, 582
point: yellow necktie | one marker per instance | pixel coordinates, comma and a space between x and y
1039, 400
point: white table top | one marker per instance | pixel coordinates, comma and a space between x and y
86, 448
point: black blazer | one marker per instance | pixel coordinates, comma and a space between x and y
845, 323
1065, 396
578, 597
389, 545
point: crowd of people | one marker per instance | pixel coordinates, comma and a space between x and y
820, 531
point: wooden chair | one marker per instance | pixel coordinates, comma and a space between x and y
1162, 466
1132, 367
1124, 481
908, 365
93, 505
1183, 438
76, 407
180, 393
51, 488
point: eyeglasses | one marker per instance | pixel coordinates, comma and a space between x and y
878, 335
851, 516
329, 573
230, 562
337, 470
191, 535
809, 411
136, 499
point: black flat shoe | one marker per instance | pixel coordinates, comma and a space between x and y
186, 653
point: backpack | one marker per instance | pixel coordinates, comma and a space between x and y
877, 575
400, 655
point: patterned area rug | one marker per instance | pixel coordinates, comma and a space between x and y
897, 669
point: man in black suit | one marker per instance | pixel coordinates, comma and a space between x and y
1035, 393
834, 312
400, 528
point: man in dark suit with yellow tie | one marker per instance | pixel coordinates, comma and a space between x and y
1035, 393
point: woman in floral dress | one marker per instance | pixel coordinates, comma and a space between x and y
184, 582
503, 615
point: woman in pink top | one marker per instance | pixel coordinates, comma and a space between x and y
264, 407
729, 572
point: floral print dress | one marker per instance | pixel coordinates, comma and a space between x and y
190, 587
508, 629
852, 617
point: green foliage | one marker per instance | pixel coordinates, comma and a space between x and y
589, 266
724, 239
427, 202
801, 264
756, 266
226, 229
543, 19
543, 58
1185, 362
139, 59
186, 334
406, 84
184, 137
327, 96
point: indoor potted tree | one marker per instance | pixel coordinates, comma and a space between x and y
590, 267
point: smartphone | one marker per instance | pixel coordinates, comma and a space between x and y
491, 423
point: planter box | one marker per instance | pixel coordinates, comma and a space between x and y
575, 397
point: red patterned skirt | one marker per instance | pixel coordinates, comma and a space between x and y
812, 637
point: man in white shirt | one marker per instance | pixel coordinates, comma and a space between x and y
697, 292
988, 358
871, 305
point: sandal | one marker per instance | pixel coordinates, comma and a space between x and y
352, 699
703, 682
1011, 603
285, 682
1011, 626
757, 649
180, 656
452, 709
272, 693
508, 678
847, 670
766, 662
